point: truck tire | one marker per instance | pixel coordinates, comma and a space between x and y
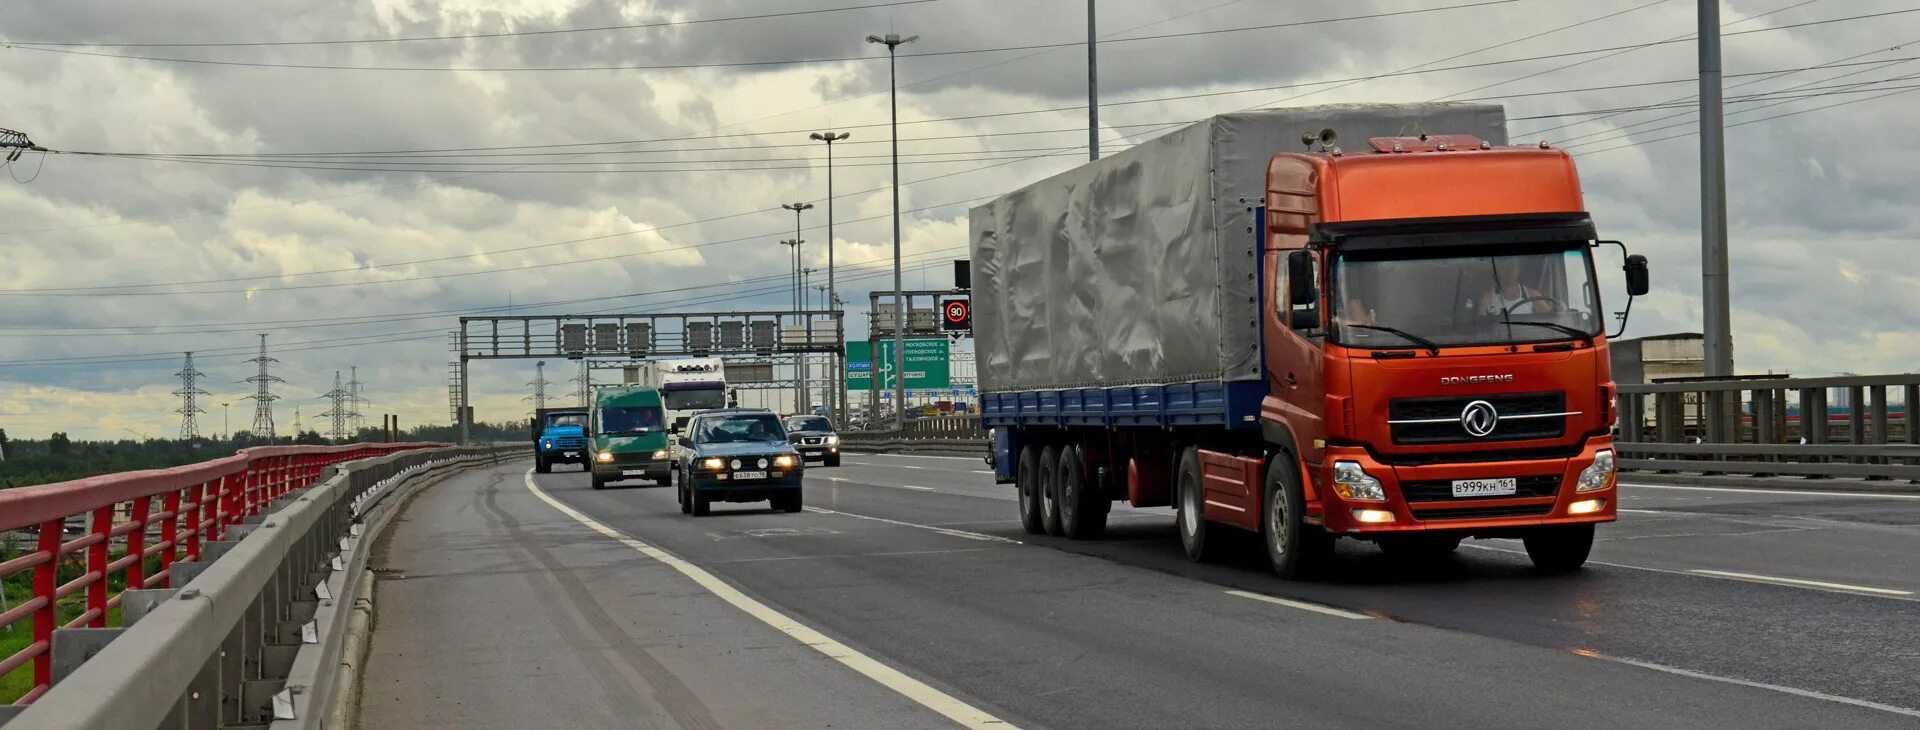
1295, 549
1027, 483
1048, 481
1562, 549
1083, 515
541, 465
701, 506
1201, 546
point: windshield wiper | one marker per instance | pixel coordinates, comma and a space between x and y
1584, 337
1410, 337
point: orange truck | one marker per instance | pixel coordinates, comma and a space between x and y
1373, 322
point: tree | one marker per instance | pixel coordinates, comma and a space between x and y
310, 437
59, 445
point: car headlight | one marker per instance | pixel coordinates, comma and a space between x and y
833, 439
1352, 482
1599, 474
603, 457
784, 461
661, 454
715, 464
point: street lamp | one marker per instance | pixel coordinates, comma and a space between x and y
893, 41
794, 277
797, 259
840, 385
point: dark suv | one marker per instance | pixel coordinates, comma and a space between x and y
814, 438
738, 455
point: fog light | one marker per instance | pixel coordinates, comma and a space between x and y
783, 461
1586, 507
1352, 482
603, 457
1372, 516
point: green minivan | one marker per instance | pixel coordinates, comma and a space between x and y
629, 436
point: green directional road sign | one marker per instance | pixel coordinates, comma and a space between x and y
927, 364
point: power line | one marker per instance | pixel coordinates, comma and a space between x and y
740, 64
474, 36
1906, 90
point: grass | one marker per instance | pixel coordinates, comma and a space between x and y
18, 588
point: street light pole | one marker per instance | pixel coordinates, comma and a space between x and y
840, 380
1716, 309
800, 385
225, 425
1093, 89
893, 41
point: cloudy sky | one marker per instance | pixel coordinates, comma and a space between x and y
651, 164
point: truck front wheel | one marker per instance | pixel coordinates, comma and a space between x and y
1294, 548
1083, 514
1560, 549
1048, 481
541, 465
1201, 547
1026, 481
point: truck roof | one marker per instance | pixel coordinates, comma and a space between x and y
627, 397
1425, 183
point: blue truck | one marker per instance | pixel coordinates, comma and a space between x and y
559, 437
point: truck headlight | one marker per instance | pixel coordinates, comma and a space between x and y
833, 439
713, 463
604, 457
784, 461
1352, 482
661, 454
1599, 474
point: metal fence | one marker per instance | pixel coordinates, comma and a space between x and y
1851, 426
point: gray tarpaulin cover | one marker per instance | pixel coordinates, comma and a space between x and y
1139, 268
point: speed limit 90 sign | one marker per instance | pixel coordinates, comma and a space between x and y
956, 315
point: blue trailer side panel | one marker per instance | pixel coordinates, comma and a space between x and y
1231, 404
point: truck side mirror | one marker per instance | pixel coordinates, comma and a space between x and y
1300, 279
1636, 270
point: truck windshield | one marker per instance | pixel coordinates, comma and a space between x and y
567, 419
1419, 298
644, 419
703, 399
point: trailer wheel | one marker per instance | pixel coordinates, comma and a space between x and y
1191, 515
1048, 480
1026, 482
1560, 549
1294, 548
1083, 516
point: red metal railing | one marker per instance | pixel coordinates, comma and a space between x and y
196, 503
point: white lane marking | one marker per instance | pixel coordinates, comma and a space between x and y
860, 555
1691, 574
1757, 685
925, 456
983, 471
873, 484
905, 466
941, 530
1641, 511
1790, 492
1314, 607
947, 705
1799, 582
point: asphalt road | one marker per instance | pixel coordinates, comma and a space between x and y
496, 608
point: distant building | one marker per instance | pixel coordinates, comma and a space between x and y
1659, 357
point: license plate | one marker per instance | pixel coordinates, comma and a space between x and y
570, 454
749, 475
1485, 487
633, 472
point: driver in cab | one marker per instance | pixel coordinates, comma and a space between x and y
1507, 295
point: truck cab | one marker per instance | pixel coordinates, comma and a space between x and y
559, 437
629, 426
1435, 348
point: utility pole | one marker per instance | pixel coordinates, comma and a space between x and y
1093, 88
357, 419
226, 422
539, 384
584, 381
1715, 305
189, 393
893, 41
263, 396
340, 414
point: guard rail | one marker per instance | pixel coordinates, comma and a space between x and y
245, 535
1768, 426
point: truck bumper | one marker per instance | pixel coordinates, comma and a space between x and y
656, 470
1420, 498
573, 456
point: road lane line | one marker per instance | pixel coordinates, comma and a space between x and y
1797, 582
1304, 606
941, 530
1791, 492
903, 553
947, 705
1691, 574
921, 456
1810, 694
874, 484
